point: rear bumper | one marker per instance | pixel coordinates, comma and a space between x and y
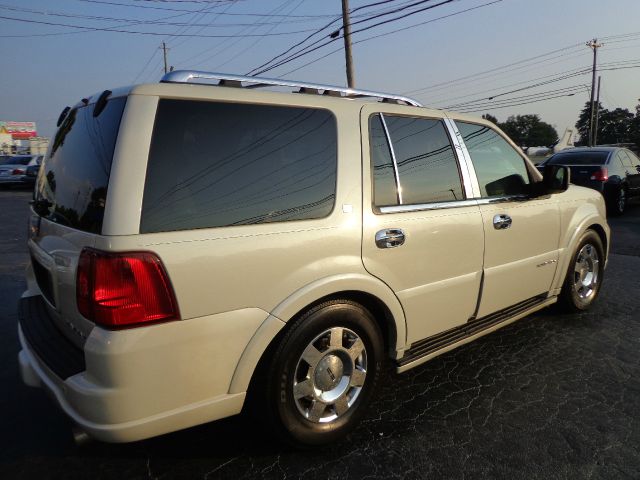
145, 382
17, 180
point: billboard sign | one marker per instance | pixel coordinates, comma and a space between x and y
19, 130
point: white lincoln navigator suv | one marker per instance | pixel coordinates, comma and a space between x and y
206, 244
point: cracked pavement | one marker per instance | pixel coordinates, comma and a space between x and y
550, 396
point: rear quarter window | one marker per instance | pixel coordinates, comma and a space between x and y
215, 164
72, 185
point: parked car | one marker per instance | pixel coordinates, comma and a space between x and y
14, 169
196, 249
613, 171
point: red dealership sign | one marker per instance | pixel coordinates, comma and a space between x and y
19, 130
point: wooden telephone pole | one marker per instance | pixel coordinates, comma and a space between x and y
594, 45
164, 51
346, 24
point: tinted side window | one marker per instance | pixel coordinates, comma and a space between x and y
499, 168
427, 164
384, 182
634, 159
219, 164
626, 158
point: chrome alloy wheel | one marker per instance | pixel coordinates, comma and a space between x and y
329, 375
586, 271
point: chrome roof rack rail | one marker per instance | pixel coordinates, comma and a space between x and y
188, 76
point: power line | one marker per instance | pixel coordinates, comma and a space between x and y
308, 50
318, 31
115, 30
373, 37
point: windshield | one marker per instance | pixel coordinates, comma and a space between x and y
579, 158
72, 185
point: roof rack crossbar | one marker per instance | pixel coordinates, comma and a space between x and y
191, 76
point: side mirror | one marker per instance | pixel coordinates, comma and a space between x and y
555, 178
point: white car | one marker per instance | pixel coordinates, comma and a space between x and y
197, 247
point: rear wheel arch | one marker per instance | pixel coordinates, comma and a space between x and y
260, 349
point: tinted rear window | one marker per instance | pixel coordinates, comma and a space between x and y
579, 158
72, 186
219, 164
15, 161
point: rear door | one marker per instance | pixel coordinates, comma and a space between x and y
422, 235
521, 233
68, 208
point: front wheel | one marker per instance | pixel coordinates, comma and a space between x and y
323, 373
584, 277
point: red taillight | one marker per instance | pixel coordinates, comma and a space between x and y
124, 289
17, 171
601, 175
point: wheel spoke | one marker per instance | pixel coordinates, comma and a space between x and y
303, 389
316, 410
341, 405
336, 337
357, 378
311, 355
577, 267
356, 349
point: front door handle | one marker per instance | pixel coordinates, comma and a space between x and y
502, 221
390, 238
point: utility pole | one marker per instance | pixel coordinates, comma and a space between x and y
164, 51
593, 45
346, 24
595, 130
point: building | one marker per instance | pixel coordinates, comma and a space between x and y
21, 137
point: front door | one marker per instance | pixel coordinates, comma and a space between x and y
521, 233
422, 236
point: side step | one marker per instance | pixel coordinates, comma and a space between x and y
436, 342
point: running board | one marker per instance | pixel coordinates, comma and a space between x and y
442, 340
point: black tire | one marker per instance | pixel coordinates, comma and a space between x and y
618, 203
283, 412
576, 295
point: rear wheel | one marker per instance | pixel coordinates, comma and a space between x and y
323, 374
619, 203
584, 277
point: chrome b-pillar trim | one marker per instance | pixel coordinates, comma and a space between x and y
469, 178
393, 158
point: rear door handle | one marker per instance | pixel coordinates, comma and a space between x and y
390, 238
502, 221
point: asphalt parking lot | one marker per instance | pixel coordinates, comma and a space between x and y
551, 396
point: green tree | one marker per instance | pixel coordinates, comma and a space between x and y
615, 126
530, 131
634, 134
584, 119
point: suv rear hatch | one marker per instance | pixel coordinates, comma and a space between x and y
68, 208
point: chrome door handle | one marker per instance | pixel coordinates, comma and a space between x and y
502, 221
390, 238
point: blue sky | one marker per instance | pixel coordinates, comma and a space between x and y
518, 43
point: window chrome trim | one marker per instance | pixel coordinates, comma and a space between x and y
428, 206
393, 158
503, 198
475, 185
458, 146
